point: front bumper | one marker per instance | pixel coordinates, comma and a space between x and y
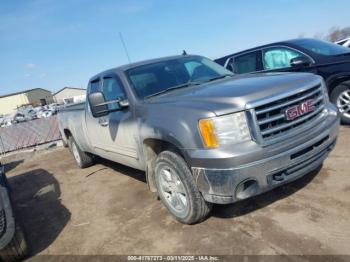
259, 169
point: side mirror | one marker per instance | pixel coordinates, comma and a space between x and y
300, 61
99, 105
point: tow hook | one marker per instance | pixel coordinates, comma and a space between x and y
278, 177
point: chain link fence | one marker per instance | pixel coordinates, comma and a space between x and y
29, 134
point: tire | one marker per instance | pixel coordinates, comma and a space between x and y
82, 158
177, 189
339, 97
17, 249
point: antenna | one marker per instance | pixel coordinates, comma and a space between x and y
125, 49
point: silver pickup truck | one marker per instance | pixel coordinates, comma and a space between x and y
201, 134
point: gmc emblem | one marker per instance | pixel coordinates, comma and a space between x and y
299, 110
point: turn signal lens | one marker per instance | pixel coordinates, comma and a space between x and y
207, 129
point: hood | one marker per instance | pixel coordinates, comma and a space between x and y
234, 94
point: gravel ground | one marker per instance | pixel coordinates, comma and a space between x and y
107, 209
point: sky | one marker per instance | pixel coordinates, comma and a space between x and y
53, 44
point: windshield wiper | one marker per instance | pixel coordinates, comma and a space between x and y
219, 77
173, 88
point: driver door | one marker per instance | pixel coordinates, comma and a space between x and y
113, 136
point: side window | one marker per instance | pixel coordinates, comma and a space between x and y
278, 57
94, 86
112, 90
246, 63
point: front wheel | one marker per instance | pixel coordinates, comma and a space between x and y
177, 189
340, 96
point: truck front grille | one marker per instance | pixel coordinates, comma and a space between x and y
271, 117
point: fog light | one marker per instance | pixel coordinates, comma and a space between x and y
247, 189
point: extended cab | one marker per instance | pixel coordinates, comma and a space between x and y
201, 134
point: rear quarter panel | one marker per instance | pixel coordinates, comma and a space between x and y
72, 118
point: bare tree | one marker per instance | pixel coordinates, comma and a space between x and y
336, 33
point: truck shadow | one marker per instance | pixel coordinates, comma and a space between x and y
249, 205
125, 170
12, 165
38, 208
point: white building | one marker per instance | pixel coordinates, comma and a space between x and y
69, 95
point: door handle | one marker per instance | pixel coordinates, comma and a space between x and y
103, 122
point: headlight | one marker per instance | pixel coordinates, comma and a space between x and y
228, 129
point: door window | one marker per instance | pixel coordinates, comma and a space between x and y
246, 63
112, 90
279, 57
94, 86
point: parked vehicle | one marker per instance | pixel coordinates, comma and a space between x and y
13, 246
44, 113
21, 117
328, 60
201, 134
6, 120
344, 42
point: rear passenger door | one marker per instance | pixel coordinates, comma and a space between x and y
245, 63
113, 136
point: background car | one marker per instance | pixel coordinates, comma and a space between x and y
326, 59
344, 42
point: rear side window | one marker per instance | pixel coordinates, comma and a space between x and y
246, 63
94, 86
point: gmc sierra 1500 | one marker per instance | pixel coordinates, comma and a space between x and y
201, 134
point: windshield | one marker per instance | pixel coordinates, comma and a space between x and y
322, 47
154, 78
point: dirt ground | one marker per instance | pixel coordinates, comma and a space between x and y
107, 209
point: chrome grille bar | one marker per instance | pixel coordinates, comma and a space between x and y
281, 116
270, 118
265, 110
284, 126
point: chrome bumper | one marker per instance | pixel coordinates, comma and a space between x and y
230, 185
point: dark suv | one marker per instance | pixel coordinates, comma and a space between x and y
326, 59
13, 246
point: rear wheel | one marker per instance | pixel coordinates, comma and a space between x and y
17, 249
177, 189
340, 96
82, 158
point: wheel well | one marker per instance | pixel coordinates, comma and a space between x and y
67, 133
65, 137
338, 81
152, 148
